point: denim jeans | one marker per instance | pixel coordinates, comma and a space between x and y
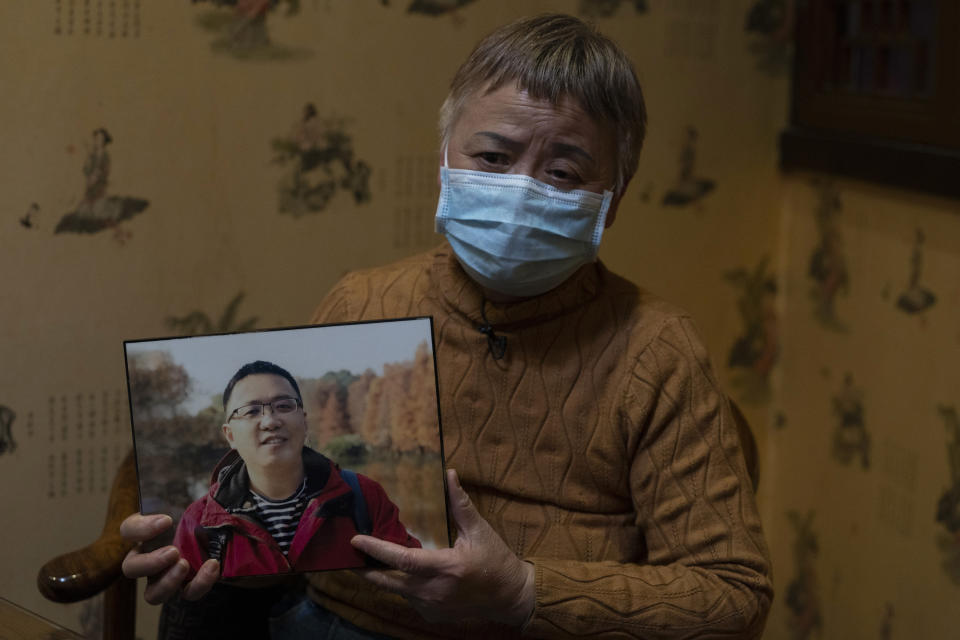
306, 620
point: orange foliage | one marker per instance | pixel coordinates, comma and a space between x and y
397, 410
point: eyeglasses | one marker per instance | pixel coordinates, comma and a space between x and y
254, 410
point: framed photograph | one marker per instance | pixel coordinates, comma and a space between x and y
272, 449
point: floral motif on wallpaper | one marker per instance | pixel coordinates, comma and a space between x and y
318, 157
851, 441
916, 298
97, 211
434, 7
771, 21
688, 188
198, 322
607, 8
803, 591
241, 27
828, 262
7, 443
755, 351
948, 507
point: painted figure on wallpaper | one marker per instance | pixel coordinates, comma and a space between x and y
828, 262
97, 210
850, 437
436, 7
772, 23
7, 443
803, 591
916, 298
607, 8
755, 352
96, 170
28, 220
241, 27
948, 507
318, 156
198, 322
688, 188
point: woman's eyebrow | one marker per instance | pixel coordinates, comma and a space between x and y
565, 149
559, 148
509, 143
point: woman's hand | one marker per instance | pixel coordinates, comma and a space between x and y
479, 577
163, 568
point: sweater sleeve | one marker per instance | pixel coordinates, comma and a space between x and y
706, 572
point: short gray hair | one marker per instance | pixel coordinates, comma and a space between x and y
553, 56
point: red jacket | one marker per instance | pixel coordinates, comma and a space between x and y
226, 518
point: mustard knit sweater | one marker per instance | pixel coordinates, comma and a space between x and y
600, 448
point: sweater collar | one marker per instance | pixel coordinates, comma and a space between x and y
465, 296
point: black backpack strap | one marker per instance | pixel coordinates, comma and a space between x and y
361, 516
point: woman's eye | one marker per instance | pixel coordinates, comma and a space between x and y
563, 175
493, 158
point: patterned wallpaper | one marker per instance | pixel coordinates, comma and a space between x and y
863, 512
181, 167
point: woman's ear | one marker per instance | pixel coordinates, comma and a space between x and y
614, 204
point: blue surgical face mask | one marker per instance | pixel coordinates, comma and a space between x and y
516, 235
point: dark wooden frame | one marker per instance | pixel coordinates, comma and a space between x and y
906, 142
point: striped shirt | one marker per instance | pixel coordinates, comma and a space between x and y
281, 517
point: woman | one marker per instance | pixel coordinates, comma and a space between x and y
600, 489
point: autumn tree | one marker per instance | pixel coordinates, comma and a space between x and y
157, 384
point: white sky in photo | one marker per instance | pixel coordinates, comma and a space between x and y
306, 353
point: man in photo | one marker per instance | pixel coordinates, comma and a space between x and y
274, 504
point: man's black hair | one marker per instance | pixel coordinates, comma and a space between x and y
258, 367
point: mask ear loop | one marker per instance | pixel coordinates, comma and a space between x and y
438, 226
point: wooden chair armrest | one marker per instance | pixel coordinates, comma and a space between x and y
82, 574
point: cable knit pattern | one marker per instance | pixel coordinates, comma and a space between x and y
599, 447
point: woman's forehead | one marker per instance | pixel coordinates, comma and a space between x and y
512, 113
512, 106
